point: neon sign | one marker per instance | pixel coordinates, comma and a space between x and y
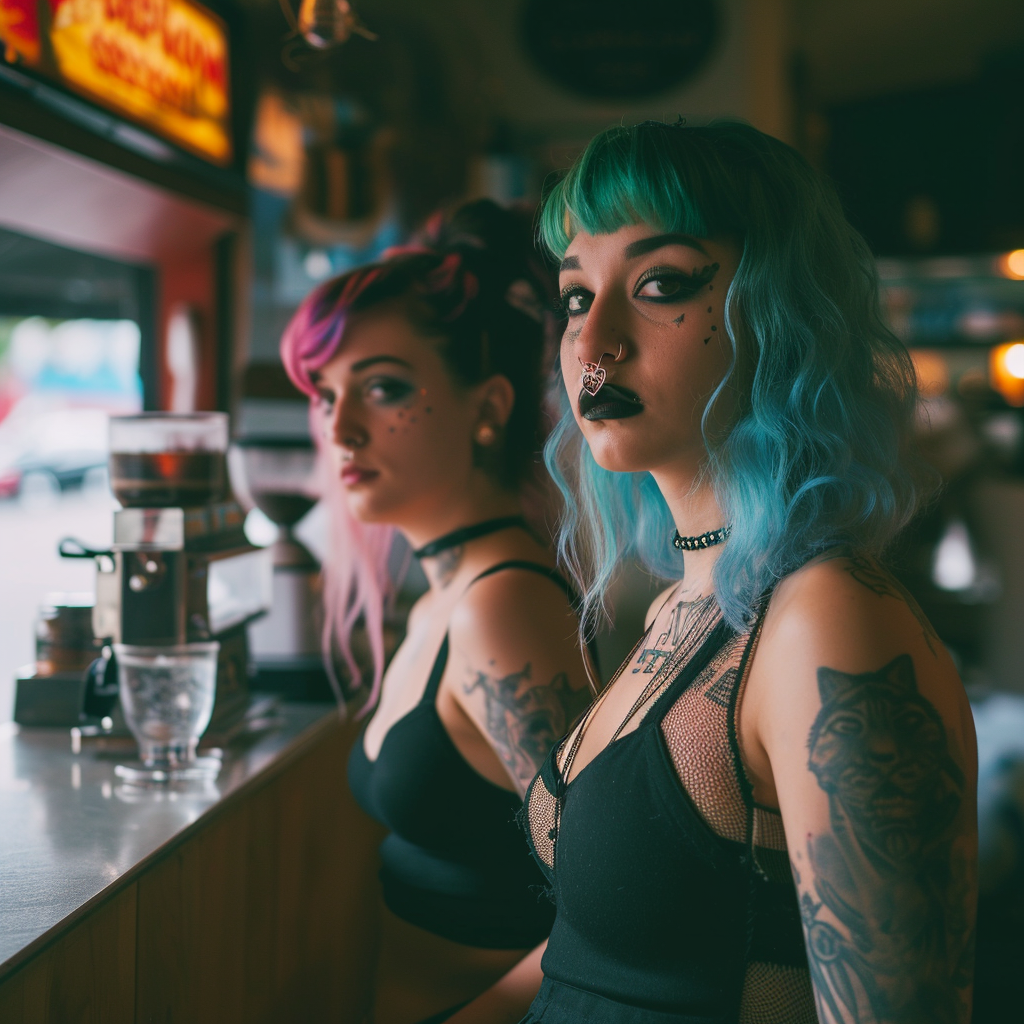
164, 63
19, 30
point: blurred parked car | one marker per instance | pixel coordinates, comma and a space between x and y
53, 449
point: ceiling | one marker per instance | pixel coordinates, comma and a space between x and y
850, 50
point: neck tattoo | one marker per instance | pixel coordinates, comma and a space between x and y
448, 563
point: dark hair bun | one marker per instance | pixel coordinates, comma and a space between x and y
473, 279
497, 244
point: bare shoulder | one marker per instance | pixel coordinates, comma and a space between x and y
849, 597
509, 604
846, 613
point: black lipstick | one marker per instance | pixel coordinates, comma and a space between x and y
611, 402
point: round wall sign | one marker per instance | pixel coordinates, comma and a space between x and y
608, 49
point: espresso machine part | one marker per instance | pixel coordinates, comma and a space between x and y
168, 459
176, 575
54, 689
179, 573
65, 639
278, 476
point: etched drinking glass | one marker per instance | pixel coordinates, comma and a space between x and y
167, 698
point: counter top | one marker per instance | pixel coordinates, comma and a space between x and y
72, 833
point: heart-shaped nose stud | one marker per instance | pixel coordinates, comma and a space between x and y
593, 377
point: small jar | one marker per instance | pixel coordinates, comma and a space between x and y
64, 638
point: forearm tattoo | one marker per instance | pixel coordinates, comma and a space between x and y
887, 899
871, 575
525, 719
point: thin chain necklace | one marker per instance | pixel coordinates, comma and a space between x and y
468, 533
667, 671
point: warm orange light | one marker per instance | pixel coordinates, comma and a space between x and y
931, 370
1006, 371
164, 63
1014, 360
1012, 264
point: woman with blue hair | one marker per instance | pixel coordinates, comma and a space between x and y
769, 813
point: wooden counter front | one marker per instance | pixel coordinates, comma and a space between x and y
260, 909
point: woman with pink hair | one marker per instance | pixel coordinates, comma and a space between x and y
425, 373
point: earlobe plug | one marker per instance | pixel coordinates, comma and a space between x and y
485, 434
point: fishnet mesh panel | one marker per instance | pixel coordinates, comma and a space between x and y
774, 994
768, 830
541, 814
696, 731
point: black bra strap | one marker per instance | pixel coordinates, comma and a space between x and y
542, 570
441, 661
436, 672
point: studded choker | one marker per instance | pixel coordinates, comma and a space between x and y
702, 540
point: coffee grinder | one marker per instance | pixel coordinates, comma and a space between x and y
180, 569
277, 475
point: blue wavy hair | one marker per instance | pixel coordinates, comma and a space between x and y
816, 452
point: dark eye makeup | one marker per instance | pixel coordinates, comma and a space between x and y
388, 390
665, 284
380, 390
657, 285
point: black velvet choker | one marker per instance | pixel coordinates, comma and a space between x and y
468, 533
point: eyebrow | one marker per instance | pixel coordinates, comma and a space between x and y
643, 247
365, 364
646, 245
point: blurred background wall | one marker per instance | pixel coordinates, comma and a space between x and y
139, 272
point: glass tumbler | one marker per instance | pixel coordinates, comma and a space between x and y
167, 698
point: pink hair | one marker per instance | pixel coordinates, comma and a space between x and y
356, 579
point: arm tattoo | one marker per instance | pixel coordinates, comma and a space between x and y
526, 719
889, 923
869, 574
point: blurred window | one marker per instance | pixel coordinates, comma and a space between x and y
60, 380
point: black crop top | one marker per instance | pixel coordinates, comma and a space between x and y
456, 862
